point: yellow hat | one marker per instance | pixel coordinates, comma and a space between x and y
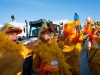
70, 22
45, 28
44, 25
8, 28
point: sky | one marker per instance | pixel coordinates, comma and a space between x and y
32, 10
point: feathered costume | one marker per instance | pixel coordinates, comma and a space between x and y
94, 64
72, 44
12, 56
44, 54
47, 53
93, 53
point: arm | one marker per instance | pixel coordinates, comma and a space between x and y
97, 38
29, 50
36, 62
42, 68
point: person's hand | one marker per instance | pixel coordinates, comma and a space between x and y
51, 68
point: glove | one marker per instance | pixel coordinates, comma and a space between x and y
87, 45
51, 68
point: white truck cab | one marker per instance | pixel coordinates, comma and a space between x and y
34, 27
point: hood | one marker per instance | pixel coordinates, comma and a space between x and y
29, 40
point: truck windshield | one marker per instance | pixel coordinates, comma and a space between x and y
34, 29
57, 29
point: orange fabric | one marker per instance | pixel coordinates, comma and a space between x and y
68, 30
76, 23
97, 29
78, 37
51, 68
75, 39
42, 70
18, 30
87, 28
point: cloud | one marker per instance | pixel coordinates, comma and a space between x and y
1, 25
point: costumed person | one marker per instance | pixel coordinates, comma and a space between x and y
71, 45
93, 48
12, 52
83, 58
48, 58
76, 17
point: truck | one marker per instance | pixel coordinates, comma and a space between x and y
32, 30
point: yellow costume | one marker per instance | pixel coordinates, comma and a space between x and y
94, 64
88, 27
12, 55
72, 44
45, 54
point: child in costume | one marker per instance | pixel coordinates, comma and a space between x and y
12, 52
48, 58
72, 44
93, 48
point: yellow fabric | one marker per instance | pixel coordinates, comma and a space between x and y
44, 25
72, 57
78, 48
69, 45
88, 27
75, 23
5, 27
81, 35
72, 45
47, 53
69, 30
12, 56
72, 36
71, 51
70, 22
94, 64
68, 48
72, 60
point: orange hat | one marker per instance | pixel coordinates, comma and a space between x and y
50, 29
18, 30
